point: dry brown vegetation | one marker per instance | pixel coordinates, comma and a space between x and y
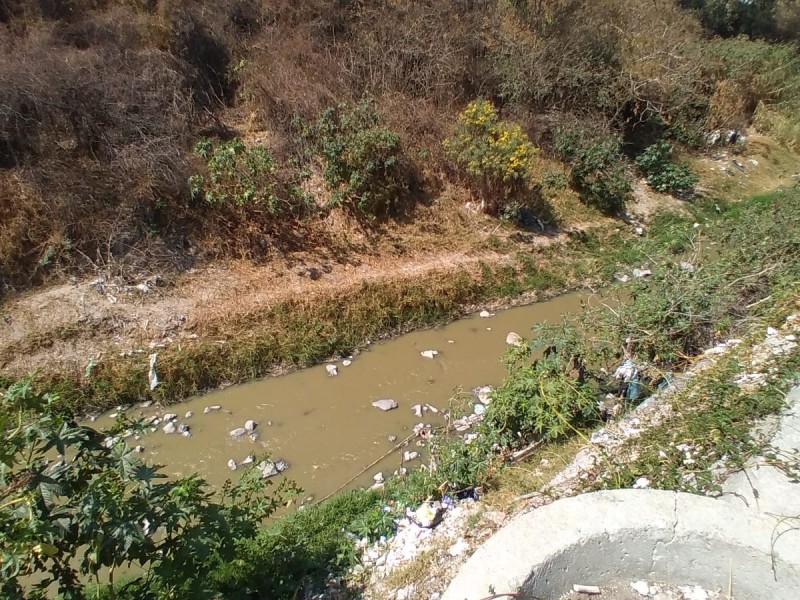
101, 102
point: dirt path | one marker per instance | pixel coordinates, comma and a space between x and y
66, 326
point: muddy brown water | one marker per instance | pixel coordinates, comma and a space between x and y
326, 427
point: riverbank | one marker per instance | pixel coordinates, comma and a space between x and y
91, 341
704, 269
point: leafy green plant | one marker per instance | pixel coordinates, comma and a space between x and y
76, 503
363, 159
236, 174
546, 398
495, 153
662, 174
598, 169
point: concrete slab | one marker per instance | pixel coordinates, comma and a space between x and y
765, 488
623, 535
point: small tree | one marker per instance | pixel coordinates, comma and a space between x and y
662, 174
76, 503
363, 159
496, 154
599, 171
236, 174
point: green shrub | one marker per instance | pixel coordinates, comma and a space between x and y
546, 398
79, 504
495, 154
236, 174
662, 174
363, 159
599, 171
301, 549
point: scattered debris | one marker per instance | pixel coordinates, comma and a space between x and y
152, 376
485, 314
213, 408
347, 362
641, 588
641, 484
332, 370
428, 515
170, 417
410, 455
378, 477
640, 273
591, 590
429, 353
189, 414
232, 465
417, 408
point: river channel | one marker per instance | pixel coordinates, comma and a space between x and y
326, 427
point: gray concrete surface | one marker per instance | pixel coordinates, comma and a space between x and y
622, 535
766, 488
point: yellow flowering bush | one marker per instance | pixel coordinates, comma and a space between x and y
496, 154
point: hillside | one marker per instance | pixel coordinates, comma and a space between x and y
145, 137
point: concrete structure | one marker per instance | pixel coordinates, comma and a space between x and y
748, 539
625, 535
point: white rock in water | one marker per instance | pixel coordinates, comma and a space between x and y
170, 417
641, 588
429, 353
238, 432
514, 339
347, 363
332, 370
249, 460
409, 456
378, 478
170, 428
485, 314
186, 434
189, 414
417, 408
209, 409
232, 465
250, 425
432, 408
385, 404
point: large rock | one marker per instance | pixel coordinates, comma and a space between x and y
385, 404
170, 428
250, 425
514, 339
269, 468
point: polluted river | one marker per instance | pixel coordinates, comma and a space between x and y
325, 427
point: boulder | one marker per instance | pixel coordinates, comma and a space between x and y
238, 432
269, 468
332, 370
170, 428
385, 404
250, 425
